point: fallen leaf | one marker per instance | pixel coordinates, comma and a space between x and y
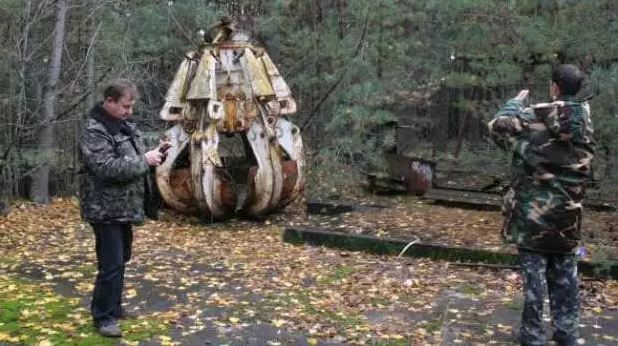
131, 293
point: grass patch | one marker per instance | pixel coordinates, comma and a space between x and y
511, 305
86, 270
470, 290
381, 301
340, 273
6, 263
32, 314
433, 324
392, 343
196, 230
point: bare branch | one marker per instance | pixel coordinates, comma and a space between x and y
88, 55
81, 99
180, 27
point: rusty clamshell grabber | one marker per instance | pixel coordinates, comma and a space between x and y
230, 88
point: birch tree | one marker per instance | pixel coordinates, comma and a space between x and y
40, 181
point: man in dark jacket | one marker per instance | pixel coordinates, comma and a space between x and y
112, 195
553, 147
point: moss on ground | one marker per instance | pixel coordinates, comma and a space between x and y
35, 314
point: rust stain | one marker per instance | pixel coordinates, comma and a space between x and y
180, 183
251, 193
290, 175
226, 192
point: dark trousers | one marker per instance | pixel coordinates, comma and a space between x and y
113, 247
560, 273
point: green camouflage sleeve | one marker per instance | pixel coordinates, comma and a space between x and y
506, 129
99, 156
569, 120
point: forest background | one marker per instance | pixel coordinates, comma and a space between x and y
440, 69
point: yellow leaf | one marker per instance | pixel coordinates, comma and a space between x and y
71, 275
234, 319
84, 287
170, 315
420, 331
131, 293
312, 341
4, 336
278, 323
150, 277
45, 343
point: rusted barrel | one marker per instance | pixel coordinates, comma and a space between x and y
417, 174
420, 176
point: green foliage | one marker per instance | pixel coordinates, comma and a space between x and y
348, 63
331, 175
467, 45
603, 82
501, 73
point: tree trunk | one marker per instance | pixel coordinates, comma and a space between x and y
40, 181
90, 84
462, 133
439, 113
90, 71
341, 7
25, 52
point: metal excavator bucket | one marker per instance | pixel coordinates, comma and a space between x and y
234, 150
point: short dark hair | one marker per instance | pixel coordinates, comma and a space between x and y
569, 78
118, 88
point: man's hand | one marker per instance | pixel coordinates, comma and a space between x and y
522, 94
154, 157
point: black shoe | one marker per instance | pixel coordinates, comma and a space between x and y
110, 330
520, 339
563, 342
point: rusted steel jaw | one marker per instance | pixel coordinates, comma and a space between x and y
230, 88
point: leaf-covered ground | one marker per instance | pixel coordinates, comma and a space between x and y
410, 218
237, 283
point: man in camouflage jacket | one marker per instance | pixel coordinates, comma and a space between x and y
552, 148
112, 195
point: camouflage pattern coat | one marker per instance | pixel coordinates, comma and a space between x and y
114, 171
552, 147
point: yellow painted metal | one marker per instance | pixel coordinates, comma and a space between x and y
203, 85
260, 83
